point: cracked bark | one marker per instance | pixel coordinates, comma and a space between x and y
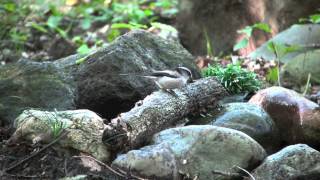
160, 111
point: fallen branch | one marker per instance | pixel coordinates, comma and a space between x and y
159, 111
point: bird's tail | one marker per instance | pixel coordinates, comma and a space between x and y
138, 75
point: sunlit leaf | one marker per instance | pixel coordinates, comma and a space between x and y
241, 44
53, 21
85, 23
315, 18
272, 75
247, 30
11, 7
84, 49
282, 49
263, 26
113, 34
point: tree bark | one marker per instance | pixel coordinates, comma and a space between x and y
159, 111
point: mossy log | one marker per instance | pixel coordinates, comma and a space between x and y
159, 111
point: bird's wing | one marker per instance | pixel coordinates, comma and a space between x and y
166, 73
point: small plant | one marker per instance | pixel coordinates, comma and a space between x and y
56, 124
210, 51
314, 19
272, 75
280, 50
234, 78
247, 31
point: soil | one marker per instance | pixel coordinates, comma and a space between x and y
52, 163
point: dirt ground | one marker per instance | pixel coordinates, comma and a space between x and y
52, 163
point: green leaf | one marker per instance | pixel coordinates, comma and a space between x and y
53, 21
272, 75
208, 44
315, 18
62, 32
131, 25
11, 7
84, 49
113, 34
271, 46
262, 26
148, 12
247, 30
85, 23
241, 44
280, 49
39, 27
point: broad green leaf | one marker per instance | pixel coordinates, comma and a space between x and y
85, 23
272, 75
148, 12
84, 49
281, 49
247, 30
241, 44
11, 7
53, 21
315, 18
262, 26
113, 34
271, 47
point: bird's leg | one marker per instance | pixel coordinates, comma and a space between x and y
170, 91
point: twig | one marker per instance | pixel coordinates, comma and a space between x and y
247, 172
64, 133
122, 174
103, 164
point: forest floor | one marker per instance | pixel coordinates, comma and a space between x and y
25, 161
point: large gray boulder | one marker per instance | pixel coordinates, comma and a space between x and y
28, 84
92, 82
102, 89
304, 36
250, 119
293, 162
295, 71
193, 151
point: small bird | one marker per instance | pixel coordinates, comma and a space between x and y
171, 79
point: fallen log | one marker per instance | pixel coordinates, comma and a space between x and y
159, 111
